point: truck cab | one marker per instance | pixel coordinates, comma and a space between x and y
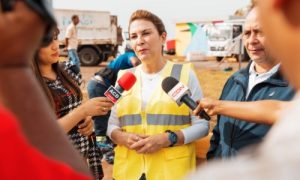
224, 40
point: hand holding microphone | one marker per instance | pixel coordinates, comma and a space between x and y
124, 83
181, 94
211, 106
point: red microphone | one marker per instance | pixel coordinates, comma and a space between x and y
124, 83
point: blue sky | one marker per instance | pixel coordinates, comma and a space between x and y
170, 11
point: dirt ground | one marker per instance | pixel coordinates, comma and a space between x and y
212, 76
210, 73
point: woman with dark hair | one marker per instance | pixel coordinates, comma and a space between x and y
61, 83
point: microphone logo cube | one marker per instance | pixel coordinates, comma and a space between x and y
112, 94
178, 91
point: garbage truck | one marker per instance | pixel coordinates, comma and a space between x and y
98, 33
224, 39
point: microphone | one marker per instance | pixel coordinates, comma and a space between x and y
180, 93
124, 83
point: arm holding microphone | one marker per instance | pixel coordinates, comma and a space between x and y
263, 111
92, 107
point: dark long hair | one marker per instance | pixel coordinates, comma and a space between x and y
65, 78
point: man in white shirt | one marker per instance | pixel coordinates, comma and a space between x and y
277, 157
72, 41
260, 80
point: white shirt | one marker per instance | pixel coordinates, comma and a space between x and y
255, 78
199, 127
71, 34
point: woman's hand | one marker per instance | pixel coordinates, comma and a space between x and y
126, 139
86, 128
151, 144
92, 107
96, 106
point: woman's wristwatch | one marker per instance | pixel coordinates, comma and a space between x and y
172, 137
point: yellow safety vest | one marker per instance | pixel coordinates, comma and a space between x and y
161, 114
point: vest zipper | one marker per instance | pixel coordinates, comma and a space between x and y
244, 99
235, 121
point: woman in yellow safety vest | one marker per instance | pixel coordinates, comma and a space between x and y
154, 135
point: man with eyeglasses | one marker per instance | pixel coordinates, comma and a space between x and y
260, 80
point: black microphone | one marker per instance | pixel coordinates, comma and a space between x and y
180, 93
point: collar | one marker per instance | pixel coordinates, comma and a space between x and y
242, 76
272, 71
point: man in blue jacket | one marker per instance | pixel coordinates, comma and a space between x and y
260, 80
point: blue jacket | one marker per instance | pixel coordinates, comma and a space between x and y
122, 62
230, 135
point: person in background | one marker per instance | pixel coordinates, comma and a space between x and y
97, 86
29, 134
277, 157
154, 136
60, 82
71, 41
261, 80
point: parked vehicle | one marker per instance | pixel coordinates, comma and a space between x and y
224, 40
170, 47
98, 33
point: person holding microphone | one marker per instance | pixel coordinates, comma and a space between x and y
60, 82
277, 156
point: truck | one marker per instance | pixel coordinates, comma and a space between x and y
224, 39
98, 33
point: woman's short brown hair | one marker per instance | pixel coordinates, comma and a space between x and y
148, 16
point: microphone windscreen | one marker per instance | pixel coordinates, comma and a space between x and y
168, 83
127, 80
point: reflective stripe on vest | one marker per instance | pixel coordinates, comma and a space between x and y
176, 71
155, 119
130, 120
167, 119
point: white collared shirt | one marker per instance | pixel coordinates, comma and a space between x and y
71, 33
255, 78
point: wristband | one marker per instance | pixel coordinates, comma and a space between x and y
172, 137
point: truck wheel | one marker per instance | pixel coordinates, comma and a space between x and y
237, 57
246, 56
89, 56
219, 58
